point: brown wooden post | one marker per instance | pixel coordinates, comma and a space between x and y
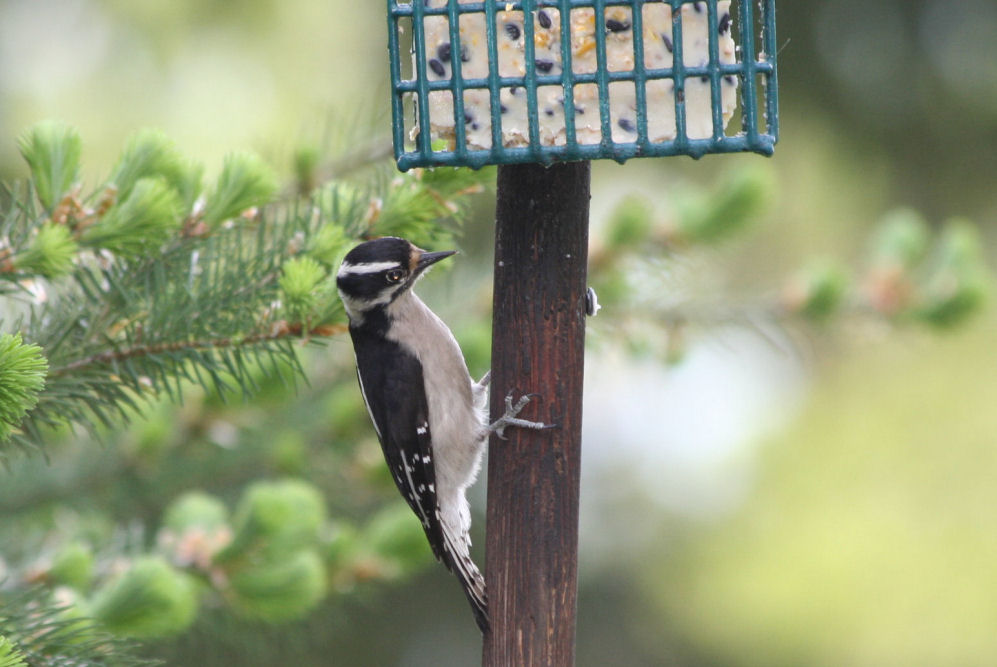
538, 346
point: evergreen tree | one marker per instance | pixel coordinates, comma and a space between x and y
156, 288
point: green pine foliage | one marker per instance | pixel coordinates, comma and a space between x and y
39, 630
418, 207
149, 154
913, 275
275, 517
195, 510
301, 279
278, 591
956, 283
141, 222
245, 182
399, 544
73, 566
938, 281
328, 245
150, 599
52, 151
629, 224
730, 208
819, 290
9, 655
22, 378
151, 287
154, 288
902, 239
150, 282
49, 254
274, 559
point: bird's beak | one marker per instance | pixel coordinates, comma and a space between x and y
427, 259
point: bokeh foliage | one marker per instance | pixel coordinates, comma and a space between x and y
897, 568
215, 293
156, 292
859, 140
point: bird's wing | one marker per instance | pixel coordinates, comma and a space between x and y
395, 396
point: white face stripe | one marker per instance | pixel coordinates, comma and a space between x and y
347, 269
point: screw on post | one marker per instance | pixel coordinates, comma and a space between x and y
540, 87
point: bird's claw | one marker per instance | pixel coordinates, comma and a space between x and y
510, 418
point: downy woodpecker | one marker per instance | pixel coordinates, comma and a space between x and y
429, 415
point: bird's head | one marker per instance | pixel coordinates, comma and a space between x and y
377, 272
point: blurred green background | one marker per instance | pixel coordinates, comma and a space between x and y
783, 495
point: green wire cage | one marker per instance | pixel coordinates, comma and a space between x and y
580, 80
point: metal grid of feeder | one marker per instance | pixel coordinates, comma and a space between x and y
618, 79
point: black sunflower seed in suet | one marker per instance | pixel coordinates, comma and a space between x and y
543, 19
724, 24
512, 30
437, 67
612, 25
544, 65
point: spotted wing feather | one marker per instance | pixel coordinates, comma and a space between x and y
394, 393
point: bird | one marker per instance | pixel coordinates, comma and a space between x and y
429, 415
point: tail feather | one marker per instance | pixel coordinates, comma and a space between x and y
458, 561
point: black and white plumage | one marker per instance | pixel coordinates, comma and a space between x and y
430, 416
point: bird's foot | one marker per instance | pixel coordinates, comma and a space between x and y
511, 418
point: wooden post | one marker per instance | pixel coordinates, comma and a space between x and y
538, 346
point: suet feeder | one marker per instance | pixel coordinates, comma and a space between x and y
540, 88
480, 84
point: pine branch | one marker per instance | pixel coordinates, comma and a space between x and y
52, 151
47, 633
283, 330
909, 278
146, 290
133, 291
9, 655
270, 559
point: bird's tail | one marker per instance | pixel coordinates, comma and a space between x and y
458, 560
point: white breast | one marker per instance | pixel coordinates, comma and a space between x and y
455, 423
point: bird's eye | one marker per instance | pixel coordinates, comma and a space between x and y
395, 276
